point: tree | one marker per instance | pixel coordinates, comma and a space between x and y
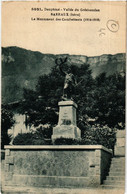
109, 96
7, 122
101, 99
42, 104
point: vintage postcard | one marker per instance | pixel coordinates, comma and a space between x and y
63, 96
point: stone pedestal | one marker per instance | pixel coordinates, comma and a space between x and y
67, 126
120, 143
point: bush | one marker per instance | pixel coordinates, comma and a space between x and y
66, 141
23, 139
100, 135
37, 137
7, 122
96, 135
44, 132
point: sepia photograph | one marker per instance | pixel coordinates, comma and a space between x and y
63, 80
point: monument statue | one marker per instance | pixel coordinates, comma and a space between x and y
67, 122
70, 81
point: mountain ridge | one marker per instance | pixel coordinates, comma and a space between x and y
21, 68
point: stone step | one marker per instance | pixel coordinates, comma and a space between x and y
118, 162
113, 182
118, 158
115, 178
120, 172
117, 167
112, 169
116, 173
122, 166
112, 187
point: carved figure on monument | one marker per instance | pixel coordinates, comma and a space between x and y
70, 81
67, 124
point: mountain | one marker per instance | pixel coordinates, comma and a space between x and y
21, 68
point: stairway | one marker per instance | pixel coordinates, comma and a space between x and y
116, 177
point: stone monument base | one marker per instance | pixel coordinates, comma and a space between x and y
67, 126
66, 131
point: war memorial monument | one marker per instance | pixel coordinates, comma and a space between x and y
58, 165
67, 126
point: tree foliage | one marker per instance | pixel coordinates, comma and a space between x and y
100, 100
7, 122
110, 100
99, 135
101, 107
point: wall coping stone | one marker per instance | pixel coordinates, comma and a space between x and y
58, 147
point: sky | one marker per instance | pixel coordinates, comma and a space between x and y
91, 38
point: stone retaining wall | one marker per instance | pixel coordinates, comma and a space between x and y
56, 166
